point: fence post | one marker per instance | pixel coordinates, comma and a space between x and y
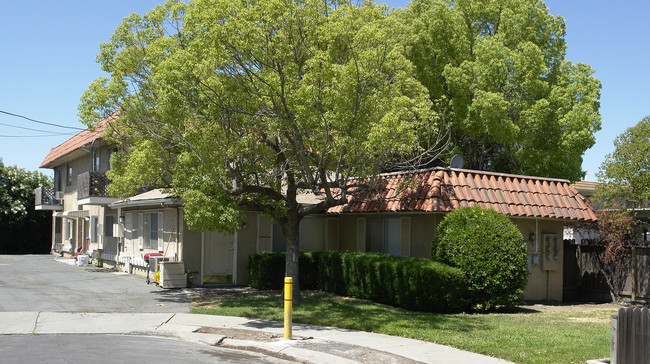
613, 337
635, 272
288, 307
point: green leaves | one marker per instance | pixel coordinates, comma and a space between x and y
625, 173
496, 71
489, 249
237, 105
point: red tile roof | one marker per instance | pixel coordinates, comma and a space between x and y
76, 142
446, 189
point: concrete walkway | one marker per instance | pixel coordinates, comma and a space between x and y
311, 344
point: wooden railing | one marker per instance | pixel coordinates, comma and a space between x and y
45, 196
92, 184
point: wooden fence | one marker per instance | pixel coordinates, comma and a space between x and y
584, 281
630, 336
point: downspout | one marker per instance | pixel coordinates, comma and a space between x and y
92, 156
178, 234
234, 258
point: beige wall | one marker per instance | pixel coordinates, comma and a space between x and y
254, 237
191, 250
170, 244
545, 265
82, 228
247, 242
545, 281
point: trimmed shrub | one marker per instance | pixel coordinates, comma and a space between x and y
266, 270
411, 283
489, 249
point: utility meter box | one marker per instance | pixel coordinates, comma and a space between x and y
551, 255
172, 275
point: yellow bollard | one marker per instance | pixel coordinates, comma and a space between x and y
288, 307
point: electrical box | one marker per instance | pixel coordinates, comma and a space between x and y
118, 231
551, 252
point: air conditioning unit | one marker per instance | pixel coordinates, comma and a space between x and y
58, 195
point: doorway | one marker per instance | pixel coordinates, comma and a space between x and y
218, 253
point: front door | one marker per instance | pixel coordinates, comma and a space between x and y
218, 251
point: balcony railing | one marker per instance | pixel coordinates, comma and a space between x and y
45, 199
92, 184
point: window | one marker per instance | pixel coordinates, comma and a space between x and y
94, 229
109, 221
383, 235
57, 225
69, 230
96, 162
150, 233
312, 234
57, 179
111, 151
68, 179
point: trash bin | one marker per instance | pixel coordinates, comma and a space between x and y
82, 259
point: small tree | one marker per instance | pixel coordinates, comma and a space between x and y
614, 230
625, 173
24, 230
491, 251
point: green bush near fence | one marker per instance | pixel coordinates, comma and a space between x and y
411, 283
489, 249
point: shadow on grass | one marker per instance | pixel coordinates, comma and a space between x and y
323, 309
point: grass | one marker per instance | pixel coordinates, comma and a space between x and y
522, 337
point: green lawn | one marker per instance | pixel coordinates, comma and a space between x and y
523, 337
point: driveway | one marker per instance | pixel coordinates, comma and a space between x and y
39, 283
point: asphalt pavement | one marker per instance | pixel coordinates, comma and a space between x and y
49, 283
84, 309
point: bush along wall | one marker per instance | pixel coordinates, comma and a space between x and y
411, 283
489, 249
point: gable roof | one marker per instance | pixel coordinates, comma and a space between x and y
75, 143
447, 189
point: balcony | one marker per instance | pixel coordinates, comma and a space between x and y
91, 189
45, 199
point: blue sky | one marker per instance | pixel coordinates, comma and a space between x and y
48, 49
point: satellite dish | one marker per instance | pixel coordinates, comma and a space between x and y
457, 161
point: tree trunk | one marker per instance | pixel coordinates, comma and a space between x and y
291, 231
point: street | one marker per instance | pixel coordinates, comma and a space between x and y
38, 283
118, 349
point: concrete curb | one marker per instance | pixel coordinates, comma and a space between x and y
312, 344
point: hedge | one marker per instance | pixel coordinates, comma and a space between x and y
489, 249
411, 283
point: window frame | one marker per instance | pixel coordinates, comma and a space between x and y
108, 227
68, 177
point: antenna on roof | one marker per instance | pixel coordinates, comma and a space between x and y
457, 161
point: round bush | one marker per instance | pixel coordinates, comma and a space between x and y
491, 251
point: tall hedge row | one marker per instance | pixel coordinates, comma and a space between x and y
411, 283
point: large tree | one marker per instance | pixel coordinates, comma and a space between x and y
625, 173
24, 230
496, 71
246, 105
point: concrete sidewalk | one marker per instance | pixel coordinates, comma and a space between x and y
311, 344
